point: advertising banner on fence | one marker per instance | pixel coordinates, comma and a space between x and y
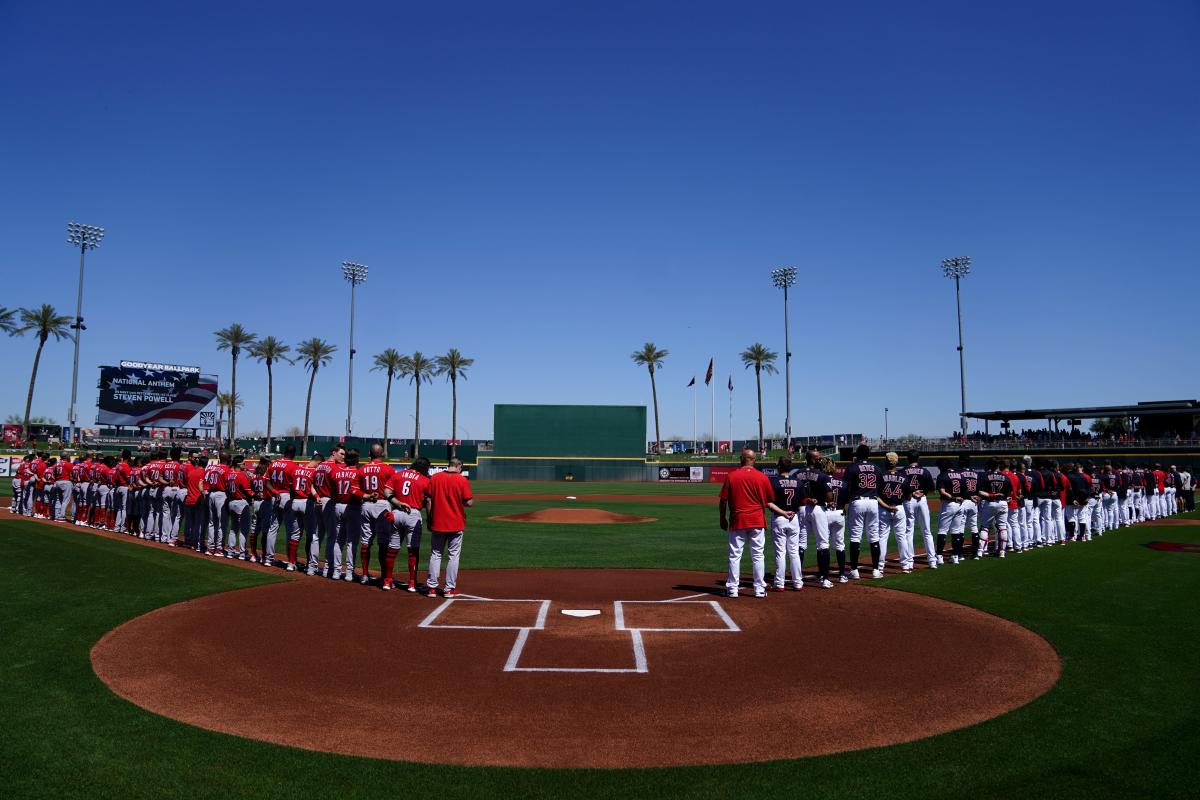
6, 466
153, 395
681, 474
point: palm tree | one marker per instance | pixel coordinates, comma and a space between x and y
7, 322
233, 339
226, 401
315, 353
268, 350
652, 358
763, 360
389, 361
418, 368
454, 365
44, 322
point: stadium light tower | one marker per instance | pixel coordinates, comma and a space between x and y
958, 268
783, 277
85, 237
354, 274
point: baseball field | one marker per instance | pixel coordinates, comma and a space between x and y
1116, 717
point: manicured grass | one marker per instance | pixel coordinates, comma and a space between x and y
581, 488
1124, 721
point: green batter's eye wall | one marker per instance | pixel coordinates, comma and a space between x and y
537, 431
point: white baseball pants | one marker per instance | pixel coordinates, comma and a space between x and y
785, 535
738, 539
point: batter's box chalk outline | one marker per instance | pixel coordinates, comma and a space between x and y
640, 664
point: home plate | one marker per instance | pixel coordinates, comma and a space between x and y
581, 612
572, 497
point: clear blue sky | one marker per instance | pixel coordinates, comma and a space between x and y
548, 185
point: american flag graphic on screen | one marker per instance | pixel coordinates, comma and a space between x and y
147, 398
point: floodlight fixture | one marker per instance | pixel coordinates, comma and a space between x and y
354, 275
782, 278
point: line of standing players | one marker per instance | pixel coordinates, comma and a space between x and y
1007, 506
337, 507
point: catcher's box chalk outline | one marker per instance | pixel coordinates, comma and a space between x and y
640, 665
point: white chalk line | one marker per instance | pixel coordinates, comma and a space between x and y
637, 644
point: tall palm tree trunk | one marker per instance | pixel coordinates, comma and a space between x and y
417, 427
758, 383
453, 415
654, 394
233, 407
270, 402
387, 406
308, 407
37, 358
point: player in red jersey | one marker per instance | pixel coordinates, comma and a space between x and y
376, 520
745, 493
79, 477
262, 500
239, 492
302, 505
324, 505
345, 520
408, 494
39, 486
449, 496
62, 488
281, 474
216, 479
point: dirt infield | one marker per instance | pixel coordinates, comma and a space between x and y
573, 516
653, 668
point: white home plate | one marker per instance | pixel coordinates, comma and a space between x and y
581, 612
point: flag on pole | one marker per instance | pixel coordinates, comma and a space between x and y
691, 383
708, 375
731, 381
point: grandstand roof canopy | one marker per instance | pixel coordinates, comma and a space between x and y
1154, 408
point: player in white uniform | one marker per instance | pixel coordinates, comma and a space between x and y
786, 529
916, 508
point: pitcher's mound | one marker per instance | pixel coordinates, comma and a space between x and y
573, 516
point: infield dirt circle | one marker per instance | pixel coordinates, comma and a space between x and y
668, 672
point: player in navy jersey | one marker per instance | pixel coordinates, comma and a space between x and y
828, 521
809, 475
972, 479
950, 520
785, 526
999, 489
862, 488
893, 494
916, 508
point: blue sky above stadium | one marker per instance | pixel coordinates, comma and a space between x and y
546, 186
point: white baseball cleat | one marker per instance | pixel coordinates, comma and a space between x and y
1002, 554
876, 574
854, 574
760, 594
291, 567
366, 580
825, 584
731, 592
349, 575
934, 564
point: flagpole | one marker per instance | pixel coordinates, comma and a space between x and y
713, 421
695, 428
731, 412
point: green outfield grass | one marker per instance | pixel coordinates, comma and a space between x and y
1124, 721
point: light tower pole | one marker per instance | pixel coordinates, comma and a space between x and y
783, 277
354, 274
85, 237
958, 268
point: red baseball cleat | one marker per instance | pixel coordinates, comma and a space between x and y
450, 594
